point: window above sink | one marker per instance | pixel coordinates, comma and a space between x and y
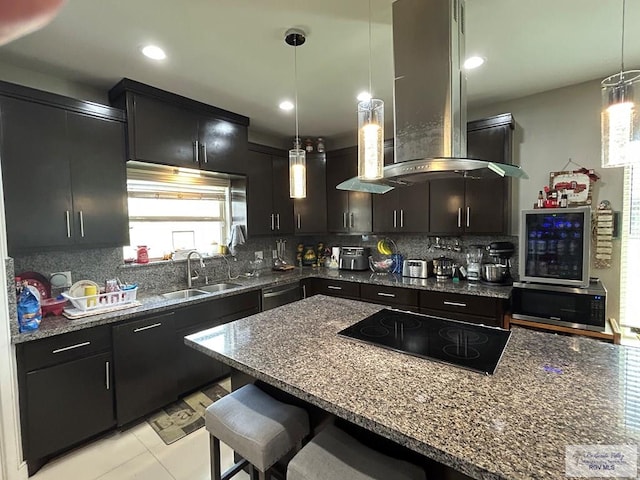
176, 209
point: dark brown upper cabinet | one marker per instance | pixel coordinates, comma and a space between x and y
269, 207
63, 165
310, 213
473, 206
404, 209
169, 129
347, 212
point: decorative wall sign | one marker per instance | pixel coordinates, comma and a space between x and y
577, 184
602, 234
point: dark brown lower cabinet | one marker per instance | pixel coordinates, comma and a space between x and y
144, 361
467, 308
193, 368
68, 403
66, 392
395, 297
333, 288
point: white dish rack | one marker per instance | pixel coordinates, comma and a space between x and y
102, 301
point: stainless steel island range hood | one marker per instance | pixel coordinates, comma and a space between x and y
429, 100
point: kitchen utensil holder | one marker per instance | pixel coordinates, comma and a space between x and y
102, 300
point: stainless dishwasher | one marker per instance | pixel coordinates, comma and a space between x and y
275, 296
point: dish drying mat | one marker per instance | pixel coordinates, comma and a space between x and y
76, 313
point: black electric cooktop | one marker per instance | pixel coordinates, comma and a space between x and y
467, 345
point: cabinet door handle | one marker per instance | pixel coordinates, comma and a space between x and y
401, 218
395, 219
468, 216
81, 224
107, 379
459, 217
68, 224
344, 219
277, 221
204, 152
454, 304
272, 222
141, 329
334, 287
304, 291
196, 151
71, 347
299, 223
353, 221
383, 294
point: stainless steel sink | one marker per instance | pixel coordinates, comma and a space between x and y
183, 294
218, 287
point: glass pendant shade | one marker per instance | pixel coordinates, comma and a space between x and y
371, 139
297, 173
620, 119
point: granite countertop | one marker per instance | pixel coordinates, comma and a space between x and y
155, 303
548, 391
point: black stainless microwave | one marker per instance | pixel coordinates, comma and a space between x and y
573, 307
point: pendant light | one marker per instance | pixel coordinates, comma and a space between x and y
297, 156
620, 118
370, 131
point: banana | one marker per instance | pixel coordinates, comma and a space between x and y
383, 248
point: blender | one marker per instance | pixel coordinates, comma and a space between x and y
474, 262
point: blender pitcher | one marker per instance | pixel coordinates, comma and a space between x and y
474, 262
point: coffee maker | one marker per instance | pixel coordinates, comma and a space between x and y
498, 272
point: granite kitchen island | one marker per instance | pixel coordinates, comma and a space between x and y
548, 391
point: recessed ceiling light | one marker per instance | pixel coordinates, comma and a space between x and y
473, 62
364, 97
154, 52
286, 105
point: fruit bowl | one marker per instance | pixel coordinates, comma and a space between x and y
386, 246
380, 266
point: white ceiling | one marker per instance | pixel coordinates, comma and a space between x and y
231, 53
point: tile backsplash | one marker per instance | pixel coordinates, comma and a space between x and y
103, 263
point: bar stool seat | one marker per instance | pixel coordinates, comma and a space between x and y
256, 426
333, 454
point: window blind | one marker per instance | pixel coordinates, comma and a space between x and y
630, 249
159, 181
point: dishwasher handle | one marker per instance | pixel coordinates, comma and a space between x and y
268, 293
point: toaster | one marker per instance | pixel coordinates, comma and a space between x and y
354, 258
417, 268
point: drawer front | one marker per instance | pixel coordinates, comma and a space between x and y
63, 348
336, 288
389, 295
229, 306
463, 317
464, 304
221, 309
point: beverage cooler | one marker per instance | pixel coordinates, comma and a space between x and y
555, 246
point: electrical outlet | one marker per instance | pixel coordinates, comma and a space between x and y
259, 255
60, 279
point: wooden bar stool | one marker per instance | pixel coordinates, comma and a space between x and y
259, 428
333, 454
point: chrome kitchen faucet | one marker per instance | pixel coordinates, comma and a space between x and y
195, 275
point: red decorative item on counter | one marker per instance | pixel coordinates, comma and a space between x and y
143, 254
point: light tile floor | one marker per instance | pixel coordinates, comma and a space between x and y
139, 453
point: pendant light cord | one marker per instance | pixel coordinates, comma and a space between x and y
295, 88
622, 42
370, 91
